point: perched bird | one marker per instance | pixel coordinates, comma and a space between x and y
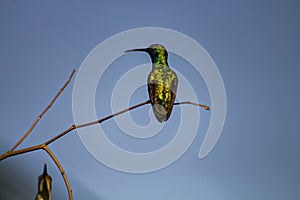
162, 82
44, 187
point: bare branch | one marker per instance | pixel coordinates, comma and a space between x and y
95, 122
41, 146
44, 111
45, 147
21, 151
113, 115
192, 103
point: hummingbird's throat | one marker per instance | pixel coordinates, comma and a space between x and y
159, 60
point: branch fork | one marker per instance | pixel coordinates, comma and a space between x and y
44, 146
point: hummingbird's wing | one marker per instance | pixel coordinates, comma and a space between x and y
162, 88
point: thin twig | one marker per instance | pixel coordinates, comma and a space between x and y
95, 122
45, 147
41, 146
44, 111
192, 103
21, 151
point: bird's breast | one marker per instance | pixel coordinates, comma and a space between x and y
162, 88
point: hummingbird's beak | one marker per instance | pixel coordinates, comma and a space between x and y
131, 50
45, 170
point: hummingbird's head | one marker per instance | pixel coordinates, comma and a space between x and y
45, 182
157, 52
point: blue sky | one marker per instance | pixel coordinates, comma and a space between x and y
256, 47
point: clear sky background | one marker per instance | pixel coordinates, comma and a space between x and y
256, 46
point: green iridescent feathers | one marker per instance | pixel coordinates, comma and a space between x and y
162, 82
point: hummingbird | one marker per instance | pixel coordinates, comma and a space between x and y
44, 187
162, 82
